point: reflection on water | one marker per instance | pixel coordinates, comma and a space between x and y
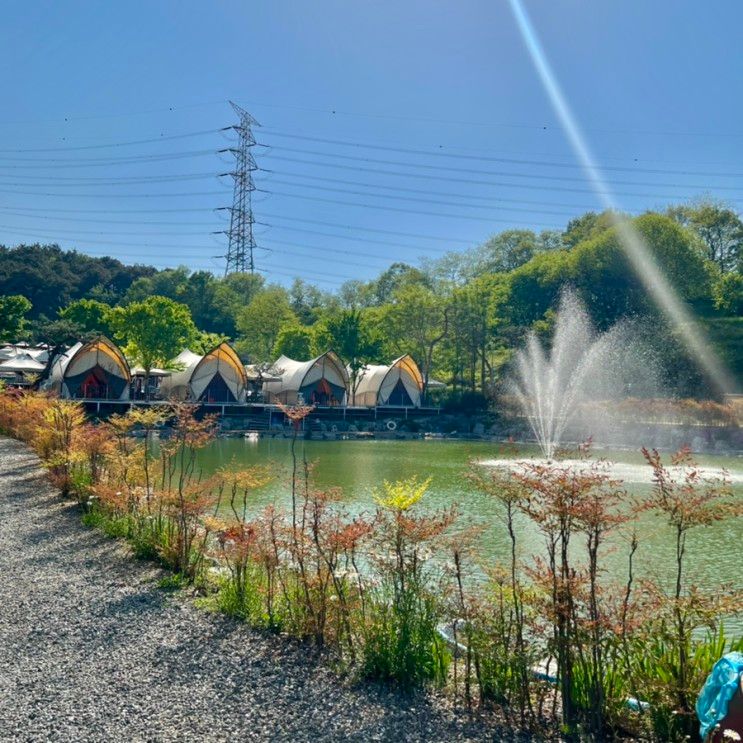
359, 466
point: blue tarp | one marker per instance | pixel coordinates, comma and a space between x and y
721, 685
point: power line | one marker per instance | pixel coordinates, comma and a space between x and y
335, 112
58, 181
508, 174
107, 221
130, 143
539, 126
112, 232
500, 184
95, 162
126, 114
376, 230
356, 238
116, 195
319, 199
280, 217
108, 211
403, 189
483, 158
366, 254
453, 204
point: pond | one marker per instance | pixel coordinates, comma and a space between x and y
357, 467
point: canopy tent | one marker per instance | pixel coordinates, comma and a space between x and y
94, 370
21, 370
217, 377
23, 363
40, 353
399, 384
319, 381
138, 371
256, 374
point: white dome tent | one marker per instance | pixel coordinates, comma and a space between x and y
216, 377
320, 381
398, 385
96, 370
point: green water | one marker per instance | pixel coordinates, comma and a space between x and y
358, 466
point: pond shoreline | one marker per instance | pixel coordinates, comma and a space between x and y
94, 650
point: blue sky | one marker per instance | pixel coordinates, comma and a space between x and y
654, 85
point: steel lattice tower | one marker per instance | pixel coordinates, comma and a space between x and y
241, 241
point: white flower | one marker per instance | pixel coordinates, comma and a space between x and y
730, 735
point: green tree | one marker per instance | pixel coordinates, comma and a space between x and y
349, 334
259, 323
720, 229
397, 276
171, 283
154, 330
356, 294
728, 294
91, 316
295, 341
607, 281
474, 343
203, 341
507, 251
13, 311
58, 334
416, 322
232, 294
51, 278
586, 227
307, 301
534, 288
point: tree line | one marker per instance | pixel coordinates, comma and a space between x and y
461, 316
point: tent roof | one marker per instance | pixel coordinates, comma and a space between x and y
434, 384
374, 374
10, 351
138, 371
23, 362
190, 361
291, 374
253, 374
224, 353
97, 345
188, 358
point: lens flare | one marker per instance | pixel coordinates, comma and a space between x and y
638, 253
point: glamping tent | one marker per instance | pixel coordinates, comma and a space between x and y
94, 370
399, 384
154, 379
319, 381
40, 353
217, 377
21, 369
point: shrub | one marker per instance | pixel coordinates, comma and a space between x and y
401, 639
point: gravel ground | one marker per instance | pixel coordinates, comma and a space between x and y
92, 650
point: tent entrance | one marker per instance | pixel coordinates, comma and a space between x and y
323, 393
95, 384
400, 396
217, 391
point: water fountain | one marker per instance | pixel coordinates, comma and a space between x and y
584, 365
551, 385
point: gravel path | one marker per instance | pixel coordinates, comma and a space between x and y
92, 650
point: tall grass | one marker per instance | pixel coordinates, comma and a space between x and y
547, 638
